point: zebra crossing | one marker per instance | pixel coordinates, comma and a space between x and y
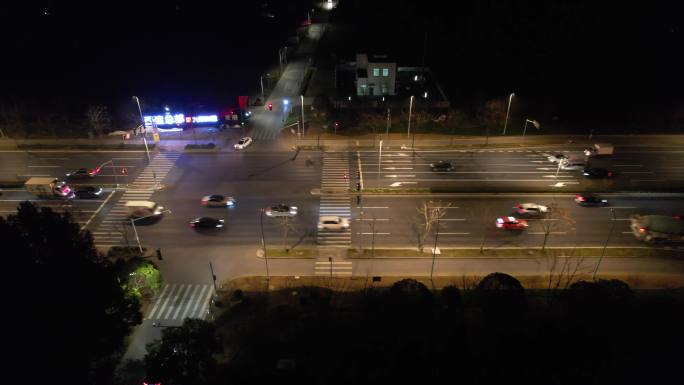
113, 230
334, 199
180, 301
331, 267
264, 133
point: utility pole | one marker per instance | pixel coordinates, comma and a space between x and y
379, 163
262, 88
389, 123
409, 119
303, 129
603, 252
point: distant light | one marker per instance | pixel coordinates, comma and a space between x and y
349, 98
383, 98
286, 102
205, 119
166, 108
425, 95
415, 78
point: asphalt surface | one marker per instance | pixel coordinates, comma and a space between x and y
467, 219
519, 169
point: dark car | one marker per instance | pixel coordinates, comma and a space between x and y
441, 166
590, 200
88, 192
83, 173
206, 223
594, 172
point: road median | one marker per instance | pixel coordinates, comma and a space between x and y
549, 252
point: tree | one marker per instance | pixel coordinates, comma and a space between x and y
72, 310
500, 294
98, 118
139, 277
493, 112
184, 355
557, 218
428, 214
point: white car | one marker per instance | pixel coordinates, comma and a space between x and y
218, 201
242, 143
281, 210
333, 223
531, 209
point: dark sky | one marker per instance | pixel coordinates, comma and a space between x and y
580, 57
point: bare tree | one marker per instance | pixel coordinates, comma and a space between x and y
558, 218
286, 225
428, 214
98, 118
493, 112
12, 119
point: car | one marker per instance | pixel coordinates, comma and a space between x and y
441, 165
281, 210
576, 164
557, 158
83, 173
590, 200
206, 223
511, 223
242, 143
88, 192
595, 172
531, 209
216, 200
331, 222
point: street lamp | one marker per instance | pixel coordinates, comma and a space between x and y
409, 120
135, 231
508, 110
302, 99
263, 244
379, 163
142, 121
603, 252
534, 123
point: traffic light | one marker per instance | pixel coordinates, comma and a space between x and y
358, 186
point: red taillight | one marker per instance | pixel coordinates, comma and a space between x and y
610, 173
580, 198
203, 202
192, 225
642, 230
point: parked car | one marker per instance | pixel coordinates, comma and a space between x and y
206, 223
88, 192
531, 209
590, 200
243, 143
511, 223
216, 200
441, 165
596, 173
83, 173
281, 210
330, 222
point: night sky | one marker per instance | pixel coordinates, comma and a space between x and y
580, 59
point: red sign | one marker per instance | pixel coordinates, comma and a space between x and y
242, 101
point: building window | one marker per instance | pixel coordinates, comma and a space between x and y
376, 71
385, 72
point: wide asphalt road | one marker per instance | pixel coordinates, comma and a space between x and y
256, 180
467, 219
519, 169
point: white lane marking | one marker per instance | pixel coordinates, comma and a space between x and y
371, 219
397, 184
372, 207
552, 233
156, 303
46, 166
398, 168
399, 176
618, 207
372, 233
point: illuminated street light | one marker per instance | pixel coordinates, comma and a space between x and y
508, 110
142, 121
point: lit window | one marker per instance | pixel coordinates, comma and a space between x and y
385, 72
376, 71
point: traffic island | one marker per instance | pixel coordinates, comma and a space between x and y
205, 147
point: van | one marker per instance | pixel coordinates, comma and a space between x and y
139, 209
573, 164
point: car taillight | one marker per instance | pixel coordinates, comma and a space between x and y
203, 202
610, 173
580, 198
192, 225
642, 230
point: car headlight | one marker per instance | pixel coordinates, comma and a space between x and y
320, 227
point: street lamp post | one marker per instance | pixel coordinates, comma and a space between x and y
534, 123
142, 121
263, 244
408, 135
508, 110
379, 163
603, 252
434, 250
262, 88
135, 231
389, 122
303, 130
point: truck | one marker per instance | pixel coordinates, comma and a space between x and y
599, 149
657, 228
48, 187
